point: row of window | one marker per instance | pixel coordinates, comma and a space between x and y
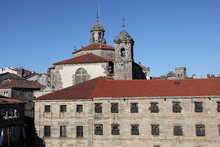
115, 130
154, 107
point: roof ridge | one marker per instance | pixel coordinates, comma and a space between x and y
83, 59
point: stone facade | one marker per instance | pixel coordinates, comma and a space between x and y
64, 75
187, 119
7, 92
180, 72
123, 56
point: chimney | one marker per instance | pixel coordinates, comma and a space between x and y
20, 72
194, 76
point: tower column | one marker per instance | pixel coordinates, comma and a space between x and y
97, 32
123, 69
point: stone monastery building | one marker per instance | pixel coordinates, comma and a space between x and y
98, 59
115, 106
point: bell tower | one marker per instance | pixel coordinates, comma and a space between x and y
97, 32
123, 56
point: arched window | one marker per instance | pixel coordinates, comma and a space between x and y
81, 75
122, 52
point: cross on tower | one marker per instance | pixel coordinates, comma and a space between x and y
97, 16
123, 22
98, 9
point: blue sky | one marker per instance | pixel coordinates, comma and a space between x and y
167, 33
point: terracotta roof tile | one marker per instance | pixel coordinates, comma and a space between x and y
88, 58
9, 100
18, 83
53, 67
96, 46
105, 87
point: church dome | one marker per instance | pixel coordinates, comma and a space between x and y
123, 36
97, 27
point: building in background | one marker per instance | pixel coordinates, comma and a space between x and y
19, 88
21, 73
13, 127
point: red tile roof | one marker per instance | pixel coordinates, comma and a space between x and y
18, 83
105, 87
53, 67
88, 58
96, 46
9, 100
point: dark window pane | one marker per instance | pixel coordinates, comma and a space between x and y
63, 132
218, 106
98, 107
115, 129
155, 130
2, 112
135, 129
98, 129
79, 131
79, 108
122, 52
176, 107
177, 131
200, 130
47, 108
198, 107
219, 130
114, 107
134, 107
62, 108
154, 107
46, 131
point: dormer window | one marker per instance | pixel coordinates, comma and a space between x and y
122, 52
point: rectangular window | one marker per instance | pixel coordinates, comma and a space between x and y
154, 107
114, 107
218, 106
79, 108
177, 107
177, 131
155, 130
198, 107
79, 131
115, 129
200, 130
98, 129
63, 132
10, 112
46, 131
98, 107
134, 107
156, 145
219, 130
62, 108
2, 112
47, 108
134, 129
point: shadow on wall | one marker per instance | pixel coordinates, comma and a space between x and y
32, 139
38, 142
